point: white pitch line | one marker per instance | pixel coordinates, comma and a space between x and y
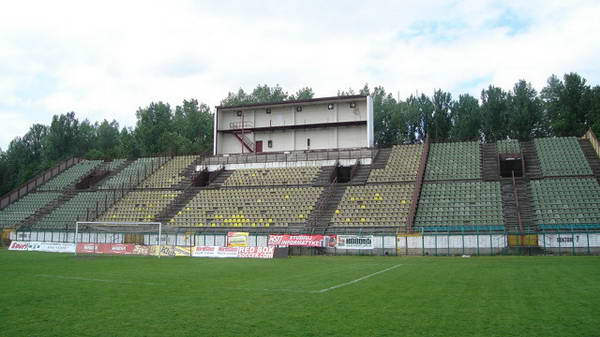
357, 280
96, 280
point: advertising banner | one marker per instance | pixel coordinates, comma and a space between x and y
354, 242
234, 252
170, 250
308, 240
105, 248
20, 246
51, 247
237, 239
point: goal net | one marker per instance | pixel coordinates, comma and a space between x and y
119, 238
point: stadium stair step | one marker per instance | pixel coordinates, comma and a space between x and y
509, 205
111, 174
532, 163
178, 203
591, 156
42, 212
381, 158
326, 205
361, 175
489, 162
324, 176
188, 172
220, 179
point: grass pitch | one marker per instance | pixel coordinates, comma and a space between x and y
46, 294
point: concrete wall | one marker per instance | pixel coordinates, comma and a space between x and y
294, 140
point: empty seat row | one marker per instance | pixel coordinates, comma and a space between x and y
257, 207
23, 208
70, 176
460, 204
565, 201
273, 176
84, 206
169, 174
561, 156
134, 173
374, 205
140, 206
454, 161
402, 165
508, 146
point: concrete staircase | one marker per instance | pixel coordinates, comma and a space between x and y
187, 174
532, 163
220, 179
509, 205
178, 204
324, 177
591, 156
381, 158
42, 212
111, 174
327, 204
489, 162
361, 175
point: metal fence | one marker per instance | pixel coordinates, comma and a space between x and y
422, 244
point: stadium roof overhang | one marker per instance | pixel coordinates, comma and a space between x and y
320, 100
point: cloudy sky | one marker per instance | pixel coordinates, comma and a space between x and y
105, 59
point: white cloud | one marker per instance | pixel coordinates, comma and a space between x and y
105, 59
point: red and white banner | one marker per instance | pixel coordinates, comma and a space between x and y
20, 246
234, 252
51, 247
111, 248
308, 240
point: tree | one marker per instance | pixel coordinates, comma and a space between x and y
384, 109
303, 93
493, 114
195, 123
466, 118
440, 121
524, 112
108, 139
152, 123
421, 108
260, 94
62, 140
567, 104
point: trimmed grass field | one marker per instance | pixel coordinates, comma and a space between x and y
45, 294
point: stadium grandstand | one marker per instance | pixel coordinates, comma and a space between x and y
273, 171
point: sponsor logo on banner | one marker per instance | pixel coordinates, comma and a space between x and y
170, 250
51, 247
16, 245
355, 242
308, 240
237, 239
106, 248
234, 252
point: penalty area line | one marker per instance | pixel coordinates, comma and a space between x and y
356, 280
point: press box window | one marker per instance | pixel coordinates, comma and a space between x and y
298, 108
352, 105
238, 113
330, 107
308, 142
269, 144
268, 111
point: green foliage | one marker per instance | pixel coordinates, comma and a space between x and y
494, 110
466, 118
525, 118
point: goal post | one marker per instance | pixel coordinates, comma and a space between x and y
121, 233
